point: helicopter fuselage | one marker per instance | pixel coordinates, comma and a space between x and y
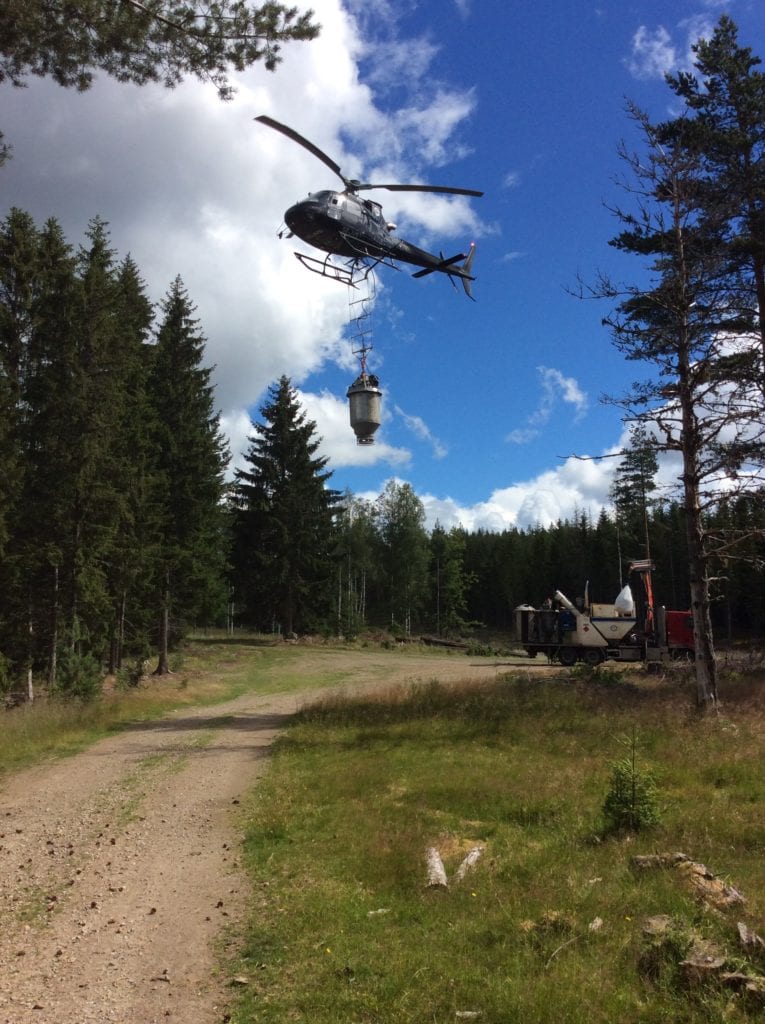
344, 224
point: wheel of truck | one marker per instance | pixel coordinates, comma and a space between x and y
532, 651
592, 656
567, 656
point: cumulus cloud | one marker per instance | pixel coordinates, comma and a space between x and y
555, 389
578, 485
194, 187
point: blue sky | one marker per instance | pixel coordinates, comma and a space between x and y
485, 403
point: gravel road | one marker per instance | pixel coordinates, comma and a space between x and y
119, 872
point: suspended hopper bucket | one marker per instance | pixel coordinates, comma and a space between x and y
364, 398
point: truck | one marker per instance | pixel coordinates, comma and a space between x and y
593, 633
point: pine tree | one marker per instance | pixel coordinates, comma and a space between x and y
190, 459
678, 323
724, 127
162, 41
283, 521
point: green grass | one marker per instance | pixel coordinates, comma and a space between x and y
359, 788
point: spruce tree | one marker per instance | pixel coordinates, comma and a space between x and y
449, 580
18, 281
283, 515
130, 570
51, 449
95, 500
190, 459
633, 484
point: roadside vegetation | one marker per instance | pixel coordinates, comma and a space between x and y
549, 924
209, 669
207, 672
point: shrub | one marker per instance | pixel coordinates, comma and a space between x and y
79, 675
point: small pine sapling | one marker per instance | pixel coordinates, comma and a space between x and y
632, 802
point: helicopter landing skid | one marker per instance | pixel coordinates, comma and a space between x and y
352, 274
326, 268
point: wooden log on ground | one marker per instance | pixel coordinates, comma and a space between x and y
436, 871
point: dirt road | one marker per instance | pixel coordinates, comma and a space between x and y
119, 872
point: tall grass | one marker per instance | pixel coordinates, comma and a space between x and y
345, 930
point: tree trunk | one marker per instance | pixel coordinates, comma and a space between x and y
339, 600
53, 659
163, 664
706, 659
30, 656
121, 631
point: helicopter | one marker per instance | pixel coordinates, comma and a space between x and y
345, 224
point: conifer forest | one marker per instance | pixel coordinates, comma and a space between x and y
119, 533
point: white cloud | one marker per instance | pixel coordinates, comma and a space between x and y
653, 53
700, 26
421, 430
578, 485
555, 388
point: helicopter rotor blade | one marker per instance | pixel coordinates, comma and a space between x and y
425, 188
297, 137
351, 184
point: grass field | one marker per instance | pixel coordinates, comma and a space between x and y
549, 924
548, 927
